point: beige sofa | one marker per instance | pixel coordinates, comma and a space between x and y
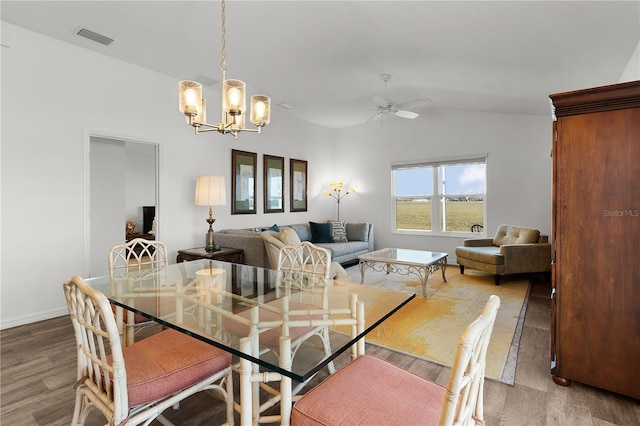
513, 250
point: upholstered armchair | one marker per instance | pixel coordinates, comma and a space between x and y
513, 250
274, 241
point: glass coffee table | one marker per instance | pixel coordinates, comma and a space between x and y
404, 262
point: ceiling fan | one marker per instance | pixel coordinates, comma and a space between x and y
385, 106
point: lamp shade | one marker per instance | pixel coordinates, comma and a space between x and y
210, 191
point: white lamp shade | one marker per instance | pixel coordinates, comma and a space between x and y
210, 191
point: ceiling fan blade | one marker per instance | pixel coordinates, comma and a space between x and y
380, 101
372, 117
416, 103
405, 114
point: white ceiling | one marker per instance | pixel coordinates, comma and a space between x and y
326, 57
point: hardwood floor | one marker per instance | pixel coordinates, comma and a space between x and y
38, 371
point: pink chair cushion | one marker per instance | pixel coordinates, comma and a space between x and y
271, 338
168, 362
370, 391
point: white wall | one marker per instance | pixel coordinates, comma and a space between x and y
518, 168
107, 203
632, 70
140, 186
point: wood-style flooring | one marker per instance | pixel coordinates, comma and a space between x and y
38, 371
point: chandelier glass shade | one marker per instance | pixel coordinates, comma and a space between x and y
193, 105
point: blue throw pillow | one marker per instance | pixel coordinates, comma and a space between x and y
320, 232
274, 228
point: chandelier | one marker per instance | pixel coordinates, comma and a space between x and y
194, 106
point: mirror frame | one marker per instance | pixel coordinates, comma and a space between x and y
273, 173
298, 185
243, 179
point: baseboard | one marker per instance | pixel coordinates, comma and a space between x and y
28, 319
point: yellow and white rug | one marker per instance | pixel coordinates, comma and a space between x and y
430, 327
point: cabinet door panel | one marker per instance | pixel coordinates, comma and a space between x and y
597, 214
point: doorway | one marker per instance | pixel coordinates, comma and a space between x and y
121, 186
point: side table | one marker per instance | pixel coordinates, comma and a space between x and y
224, 255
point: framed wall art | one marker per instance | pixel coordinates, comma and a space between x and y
243, 182
298, 185
273, 184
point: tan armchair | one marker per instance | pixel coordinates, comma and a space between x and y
513, 250
274, 241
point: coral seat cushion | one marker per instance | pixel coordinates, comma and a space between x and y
168, 362
370, 391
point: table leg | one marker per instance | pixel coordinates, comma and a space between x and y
363, 266
443, 266
246, 412
424, 283
285, 382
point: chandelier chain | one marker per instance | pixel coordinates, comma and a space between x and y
223, 62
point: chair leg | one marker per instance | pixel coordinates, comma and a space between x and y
497, 279
461, 269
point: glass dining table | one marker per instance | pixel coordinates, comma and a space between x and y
263, 317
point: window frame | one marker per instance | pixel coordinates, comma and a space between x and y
437, 195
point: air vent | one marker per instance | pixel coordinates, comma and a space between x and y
95, 36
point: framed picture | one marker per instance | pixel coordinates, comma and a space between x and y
273, 184
298, 185
243, 182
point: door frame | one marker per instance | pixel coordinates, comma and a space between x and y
89, 133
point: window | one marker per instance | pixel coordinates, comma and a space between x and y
439, 196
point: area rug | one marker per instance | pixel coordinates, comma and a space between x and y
430, 327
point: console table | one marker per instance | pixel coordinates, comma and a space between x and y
224, 255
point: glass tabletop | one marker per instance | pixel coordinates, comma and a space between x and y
404, 256
220, 303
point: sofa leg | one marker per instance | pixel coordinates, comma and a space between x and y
461, 269
497, 279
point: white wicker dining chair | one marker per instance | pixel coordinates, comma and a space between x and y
375, 392
302, 264
135, 384
301, 289
145, 256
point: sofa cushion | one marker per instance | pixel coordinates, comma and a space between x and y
508, 234
303, 230
338, 250
338, 231
274, 228
320, 232
357, 231
288, 236
489, 254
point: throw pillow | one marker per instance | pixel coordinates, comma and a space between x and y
288, 236
338, 231
274, 228
320, 232
358, 231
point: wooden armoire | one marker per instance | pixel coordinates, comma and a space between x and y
595, 315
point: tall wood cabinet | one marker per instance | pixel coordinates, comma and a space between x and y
595, 324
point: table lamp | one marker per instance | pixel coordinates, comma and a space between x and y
210, 192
